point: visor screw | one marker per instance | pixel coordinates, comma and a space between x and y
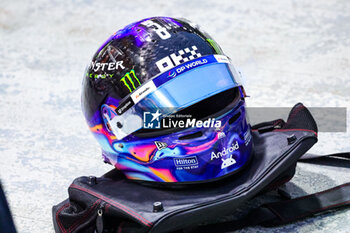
120, 145
92, 180
291, 139
119, 125
157, 206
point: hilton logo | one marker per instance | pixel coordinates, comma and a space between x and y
186, 161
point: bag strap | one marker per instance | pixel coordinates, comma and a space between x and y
344, 155
283, 212
288, 211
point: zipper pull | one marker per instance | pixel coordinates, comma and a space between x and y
99, 221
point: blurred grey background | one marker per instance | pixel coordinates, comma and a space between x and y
289, 51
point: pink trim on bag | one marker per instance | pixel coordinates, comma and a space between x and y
75, 224
58, 220
116, 204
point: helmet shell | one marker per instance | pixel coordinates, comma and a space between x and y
131, 57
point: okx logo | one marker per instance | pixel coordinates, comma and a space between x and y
151, 120
130, 79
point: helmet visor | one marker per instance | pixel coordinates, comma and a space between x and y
169, 93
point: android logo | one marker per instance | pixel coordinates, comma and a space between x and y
227, 162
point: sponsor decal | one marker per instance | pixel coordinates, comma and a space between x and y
161, 31
151, 120
191, 65
99, 76
215, 46
186, 163
124, 106
184, 55
142, 91
225, 151
160, 145
129, 80
247, 137
227, 162
222, 58
172, 74
106, 66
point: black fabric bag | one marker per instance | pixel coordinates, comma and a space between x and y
6, 221
114, 204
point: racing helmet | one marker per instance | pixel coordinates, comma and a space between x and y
166, 104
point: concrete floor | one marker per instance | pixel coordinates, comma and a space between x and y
289, 51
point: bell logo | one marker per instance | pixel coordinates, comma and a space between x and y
160, 145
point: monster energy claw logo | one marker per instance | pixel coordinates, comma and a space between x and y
215, 46
128, 78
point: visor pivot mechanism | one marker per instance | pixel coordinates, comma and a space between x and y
119, 125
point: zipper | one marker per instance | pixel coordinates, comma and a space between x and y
99, 219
